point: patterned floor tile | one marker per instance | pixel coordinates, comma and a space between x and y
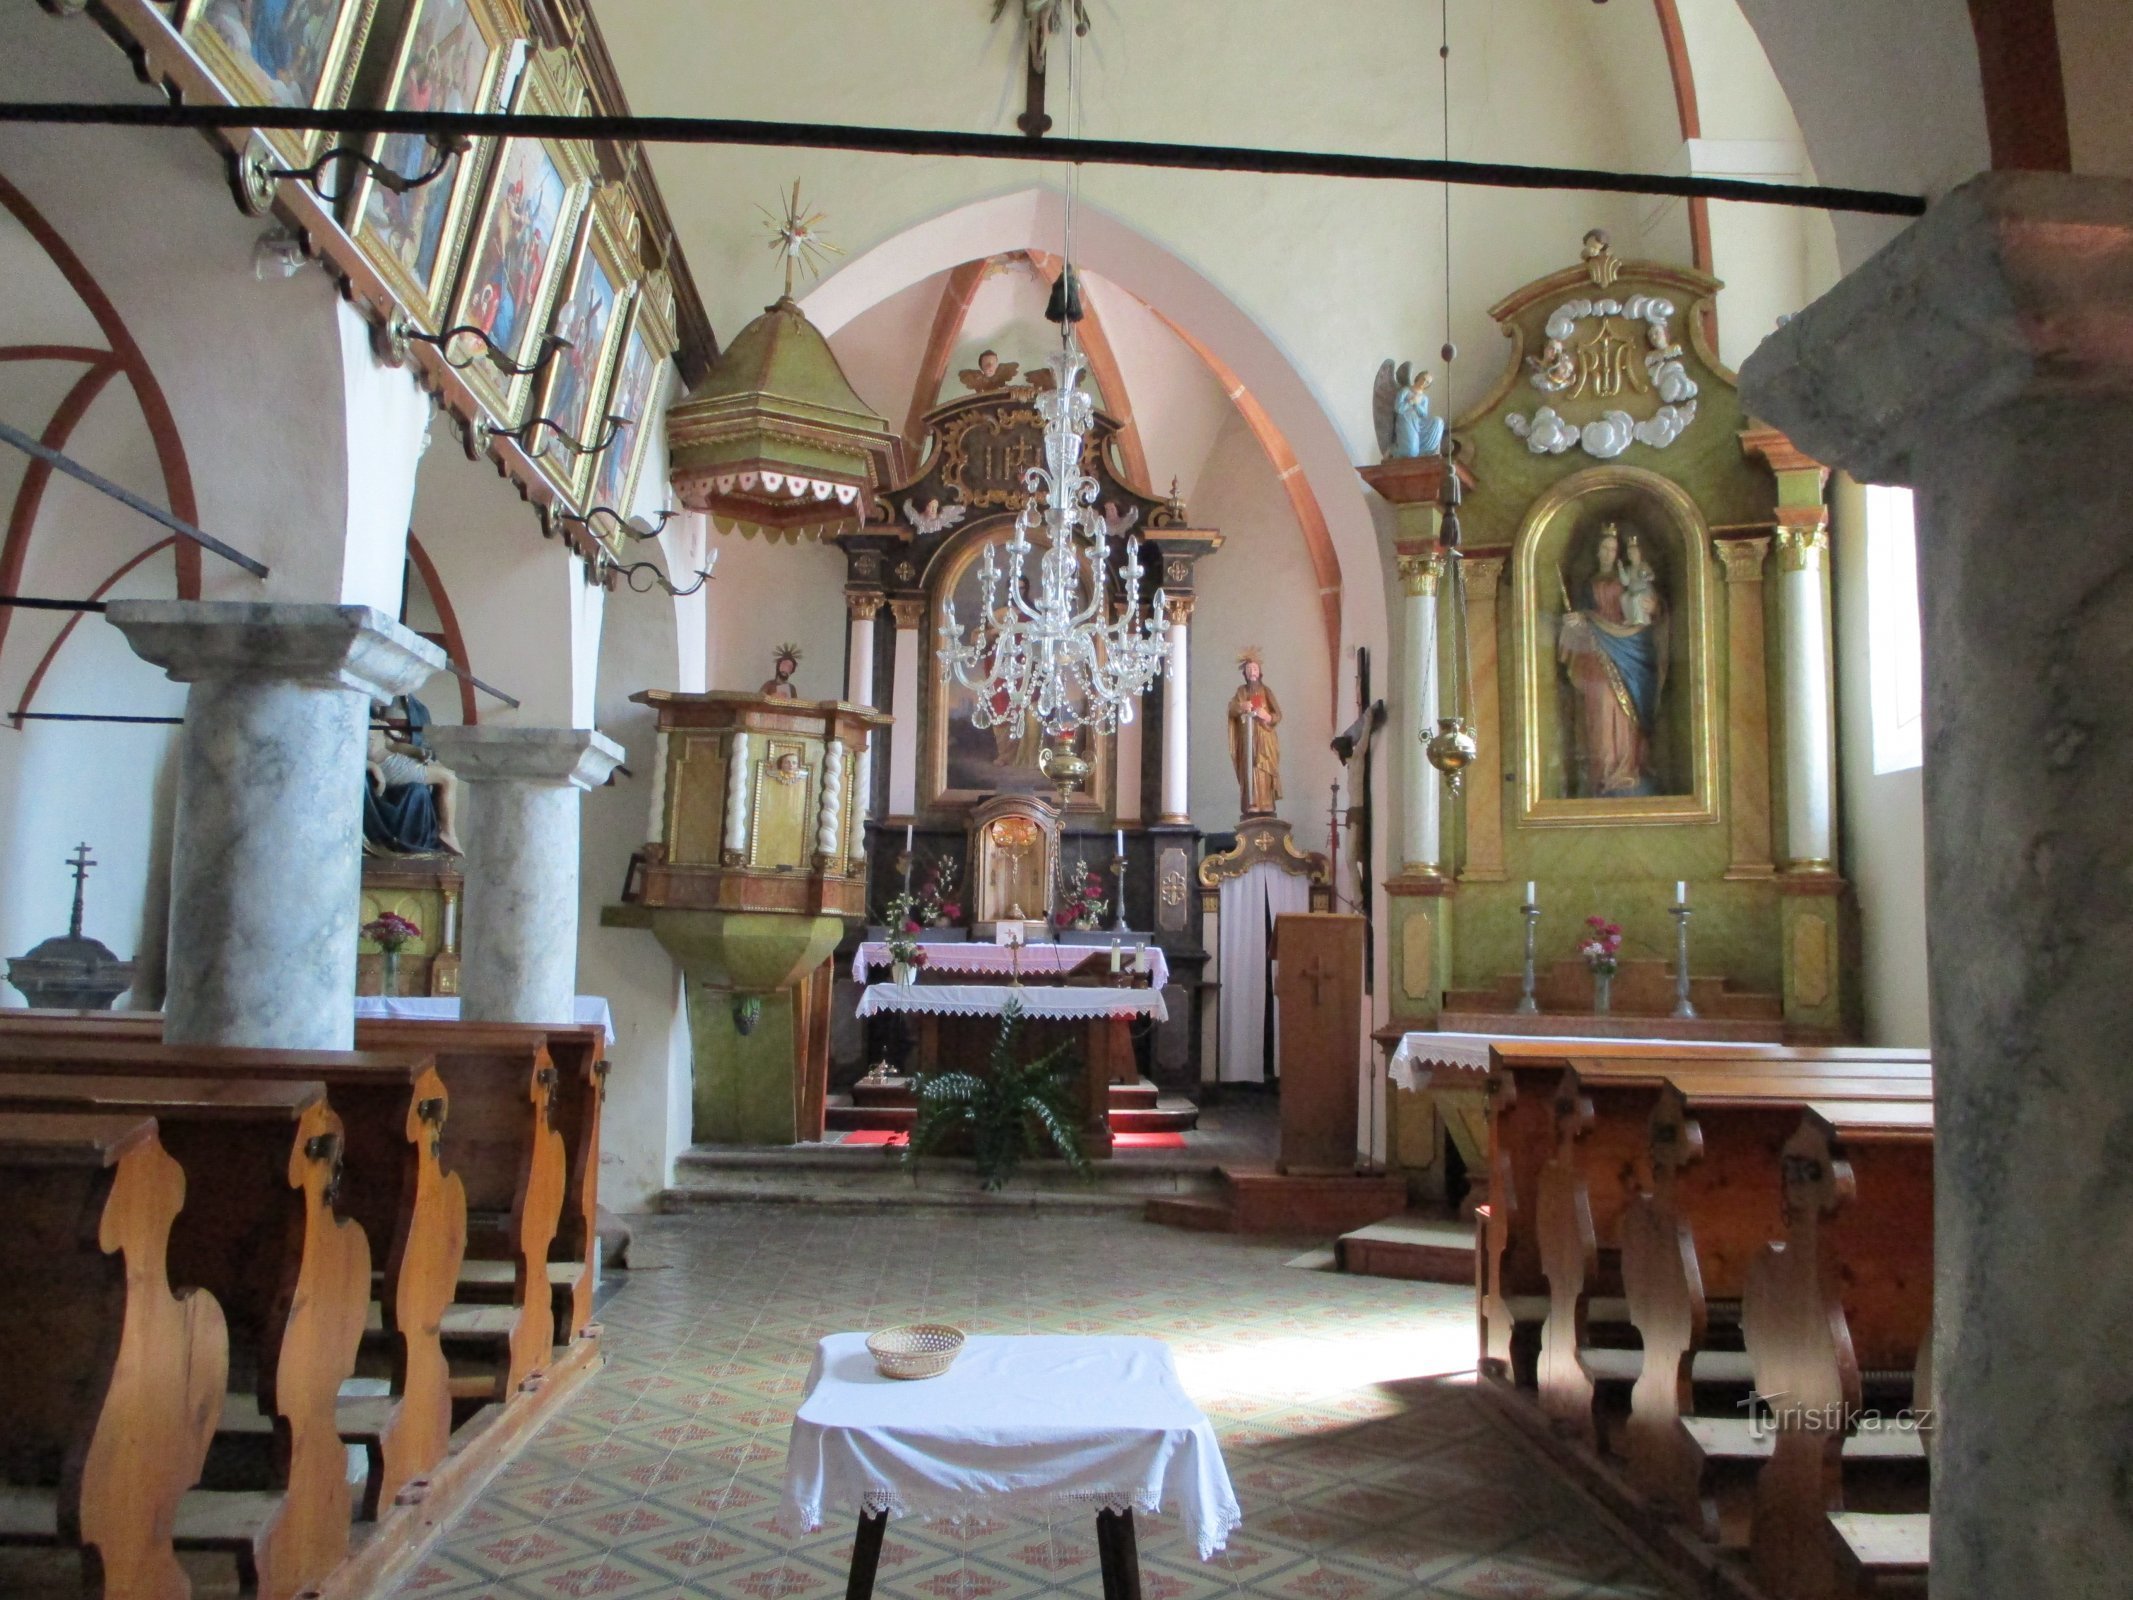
1366, 1464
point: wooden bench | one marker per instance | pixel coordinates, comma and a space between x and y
1524, 1139
502, 1143
109, 1382
262, 1163
397, 1112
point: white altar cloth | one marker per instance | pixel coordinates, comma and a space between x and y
586, 1008
1418, 1054
1038, 960
1050, 1000
1021, 1425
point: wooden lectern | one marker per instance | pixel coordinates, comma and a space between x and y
1319, 987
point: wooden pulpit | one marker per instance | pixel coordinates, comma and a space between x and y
1319, 987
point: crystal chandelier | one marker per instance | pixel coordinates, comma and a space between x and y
1045, 643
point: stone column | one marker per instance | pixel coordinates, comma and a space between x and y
1810, 741
1175, 803
1982, 358
1421, 790
266, 853
1747, 708
903, 707
860, 605
1484, 779
519, 960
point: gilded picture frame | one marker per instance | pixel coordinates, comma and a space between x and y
593, 312
952, 749
635, 393
452, 55
282, 53
1563, 523
533, 204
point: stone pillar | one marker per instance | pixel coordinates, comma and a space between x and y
1175, 804
1810, 740
1747, 709
1484, 779
860, 604
267, 846
519, 953
1421, 789
1981, 357
903, 706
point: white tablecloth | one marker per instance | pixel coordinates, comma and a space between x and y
990, 999
1419, 1054
1021, 1425
587, 1008
1038, 960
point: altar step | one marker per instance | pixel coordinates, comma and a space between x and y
886, 1106
1253, 1200
871, 1176
1420, 1248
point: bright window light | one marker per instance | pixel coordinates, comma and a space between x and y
1893, 658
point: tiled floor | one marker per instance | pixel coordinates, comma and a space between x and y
1365, 1463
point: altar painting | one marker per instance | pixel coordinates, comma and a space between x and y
282, 53
452, 58
1616, 697
966, 763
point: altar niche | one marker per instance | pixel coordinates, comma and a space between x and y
1611, 586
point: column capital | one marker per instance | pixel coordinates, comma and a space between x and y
1742, 559
314, 646
556, 757
1177, 609
1421, 569
2012, 289
908, 610
861, 604
1800, 549
1482, 574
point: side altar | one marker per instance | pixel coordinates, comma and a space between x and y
754, 865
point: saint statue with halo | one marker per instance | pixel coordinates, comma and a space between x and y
1254, 746
1613, 647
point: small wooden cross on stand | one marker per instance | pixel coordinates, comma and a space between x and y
81, 864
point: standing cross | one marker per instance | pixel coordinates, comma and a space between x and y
1317, 975
81, 864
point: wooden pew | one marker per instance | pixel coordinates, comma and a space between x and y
1848, 1293
502, 1143
109, 1382
262, 1162
397, 1112
1524, 1138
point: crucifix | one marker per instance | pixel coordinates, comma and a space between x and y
1359, 737
1041, 19
81, 864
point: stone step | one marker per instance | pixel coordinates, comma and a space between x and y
1137, 1107
1419, 1248
872, 1175
1256, 1200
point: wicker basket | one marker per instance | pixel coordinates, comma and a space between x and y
916, 1350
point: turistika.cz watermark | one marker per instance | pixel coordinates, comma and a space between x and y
1771, 1414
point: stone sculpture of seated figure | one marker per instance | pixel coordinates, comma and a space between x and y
412, 801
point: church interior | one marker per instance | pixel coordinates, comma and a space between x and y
995, 798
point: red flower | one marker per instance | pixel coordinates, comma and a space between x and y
952, 910
911, 925
918, 956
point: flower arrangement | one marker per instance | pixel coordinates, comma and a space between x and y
936, 903
390, 932
1602, 946
1081, 901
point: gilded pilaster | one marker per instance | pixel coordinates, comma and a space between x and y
1484, 779
1747, 709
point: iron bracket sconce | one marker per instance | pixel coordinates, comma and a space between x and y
397, 335
528, 434
258, 172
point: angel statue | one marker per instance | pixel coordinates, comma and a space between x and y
990, 374
1044, 18
1400, 407
933, 517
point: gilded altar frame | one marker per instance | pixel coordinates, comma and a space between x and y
248, 82
1533, 595
425, 294
940, 701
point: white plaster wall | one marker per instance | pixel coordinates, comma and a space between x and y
768, 593
388, 420
1883, 815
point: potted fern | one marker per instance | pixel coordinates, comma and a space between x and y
1003, 1108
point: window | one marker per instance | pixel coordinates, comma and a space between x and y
1893, 659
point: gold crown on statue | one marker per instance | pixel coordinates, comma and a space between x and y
788, 652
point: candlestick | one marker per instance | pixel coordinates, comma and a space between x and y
1682, 1005
1528, 1006
1118, 875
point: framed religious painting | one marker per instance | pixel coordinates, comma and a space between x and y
532, 203
295, 53
1611, 588
594, 317
963, 764
452, 55
635, 398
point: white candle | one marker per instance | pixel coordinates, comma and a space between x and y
907, 838
1114, 955
1118, 842
1681, 893
1529, 893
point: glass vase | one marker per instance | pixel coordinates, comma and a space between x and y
1602, 992
389, 984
